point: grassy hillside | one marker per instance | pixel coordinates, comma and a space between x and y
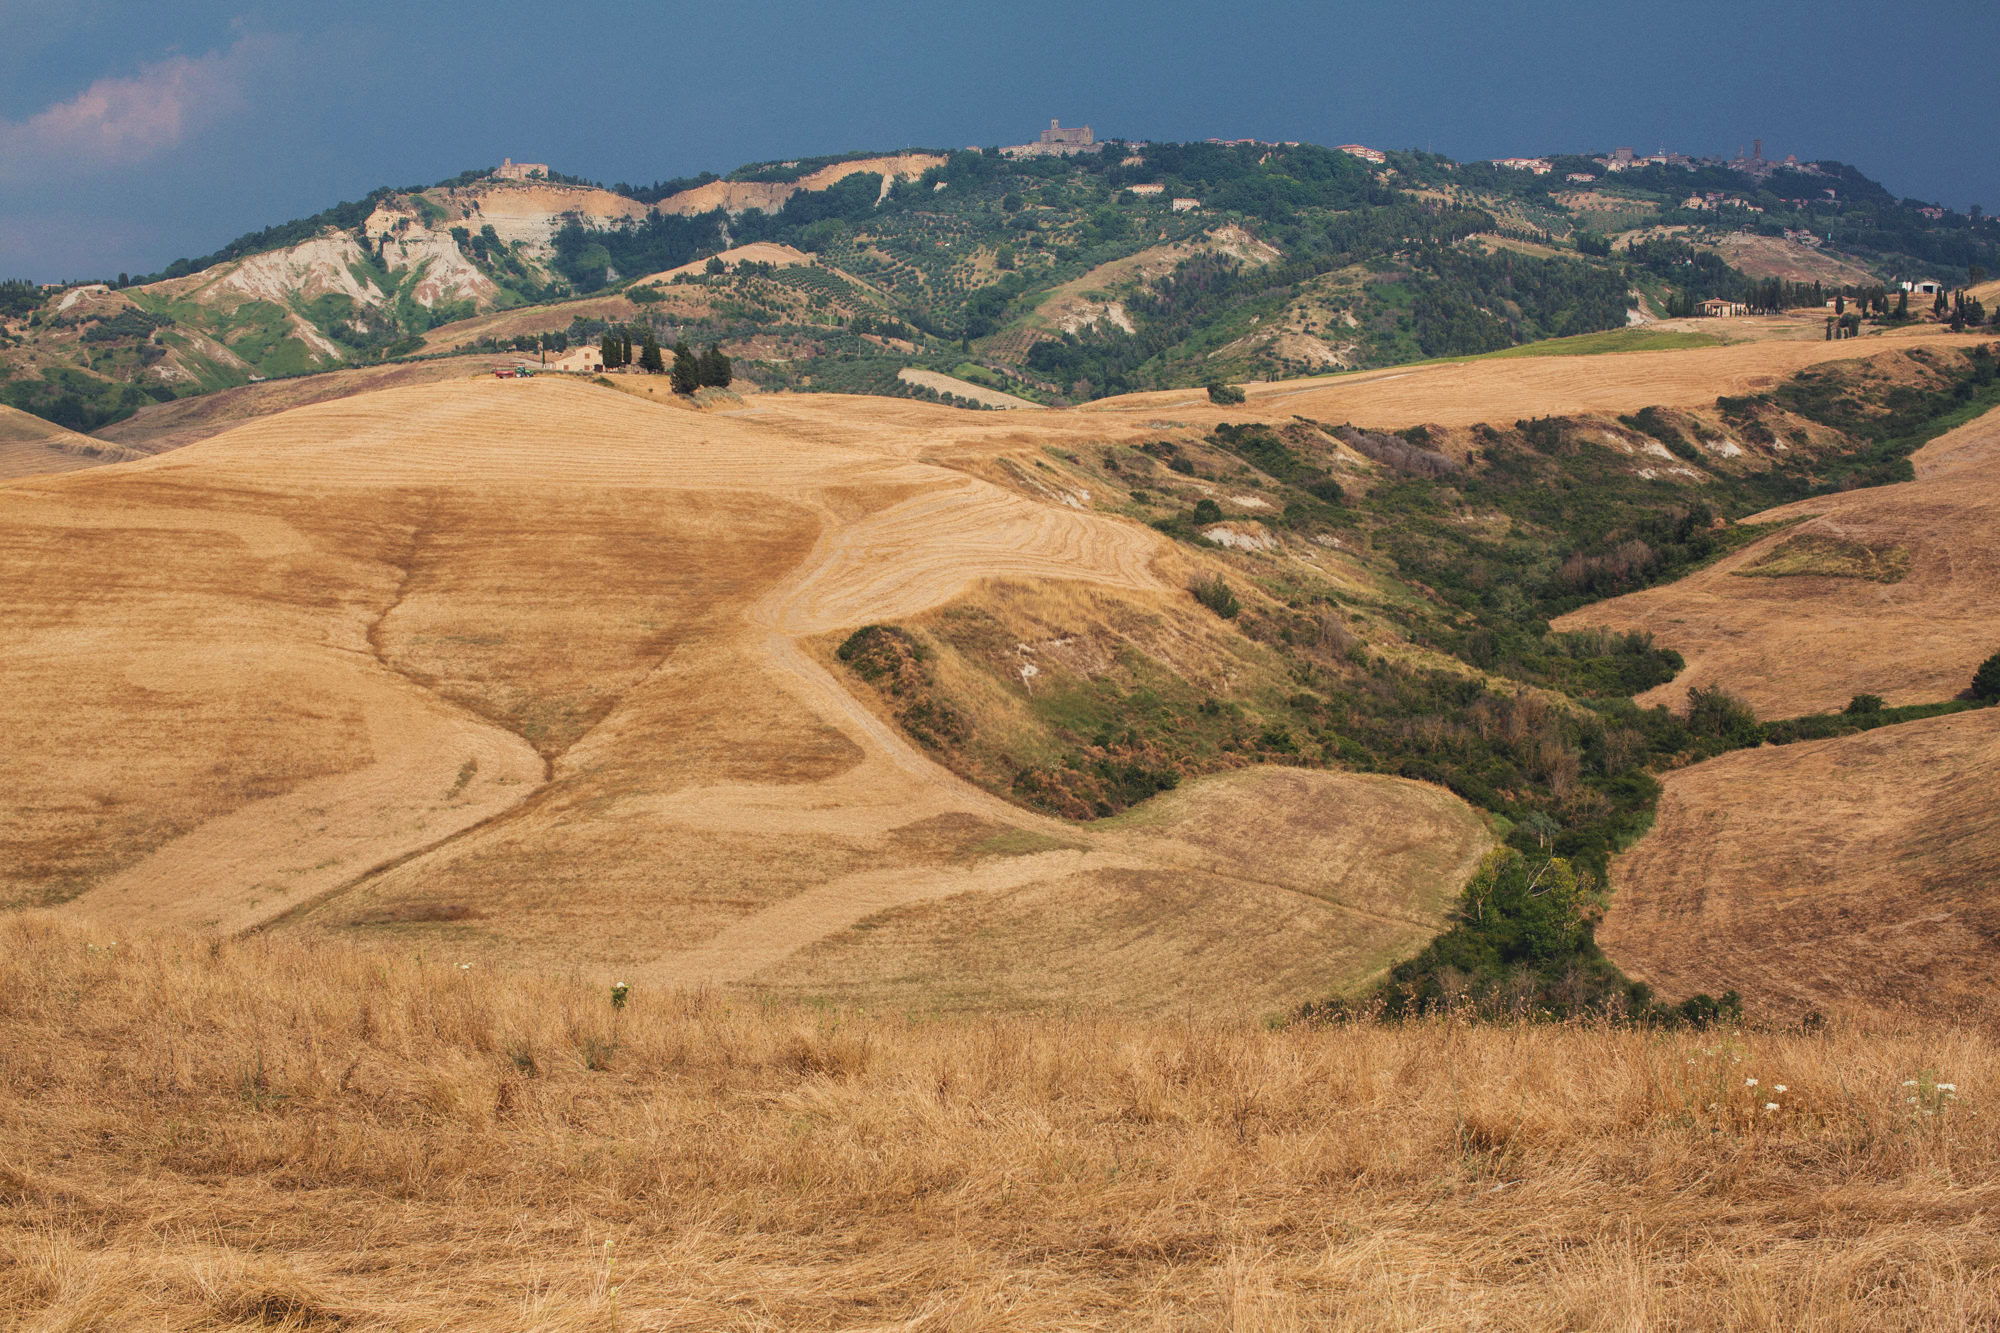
389, 1144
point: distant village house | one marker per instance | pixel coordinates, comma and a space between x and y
1186, 205
1365, 153
1147, 189
1717, 308
1541, 166
510, 170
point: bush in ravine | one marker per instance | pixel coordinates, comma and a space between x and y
1228, 395
1866, 703
1986, 680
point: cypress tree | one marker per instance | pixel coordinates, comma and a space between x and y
650, 360
714, 368
687, 370
607, 347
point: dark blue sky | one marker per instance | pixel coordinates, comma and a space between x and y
133, 133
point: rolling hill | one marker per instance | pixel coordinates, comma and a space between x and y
1054, 279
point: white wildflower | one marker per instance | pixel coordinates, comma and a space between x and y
1749, 1082
1770, 1106
1909, 1083
1779, 1088
1947, 1087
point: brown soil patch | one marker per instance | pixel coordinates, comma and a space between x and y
769, 197
1855, 872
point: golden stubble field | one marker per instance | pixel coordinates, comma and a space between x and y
1852, 870
535, 671
521, 670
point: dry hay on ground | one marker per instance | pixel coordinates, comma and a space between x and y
269, 1134
1855, 872
1810, 643
513, 668
527, 321
757, 252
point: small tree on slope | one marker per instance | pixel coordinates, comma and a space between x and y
1986, 680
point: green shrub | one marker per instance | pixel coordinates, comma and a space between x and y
1215, 594
1986, 680
1717, 714
1227, 395
1866, 703
1207, 511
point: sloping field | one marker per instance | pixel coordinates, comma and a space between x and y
757, 252
1468, 392
966, 389
1831, 875
1776, 257
534, 319
518, 670
30, 446
1810, 642
165, 426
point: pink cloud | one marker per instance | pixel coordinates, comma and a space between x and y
117, 122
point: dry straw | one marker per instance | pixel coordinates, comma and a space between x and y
269, 1133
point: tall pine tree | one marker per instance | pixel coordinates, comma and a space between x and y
650, 360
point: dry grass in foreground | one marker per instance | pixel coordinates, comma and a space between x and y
269, 1133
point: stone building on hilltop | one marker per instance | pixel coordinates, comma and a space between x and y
510, 170
1055, 141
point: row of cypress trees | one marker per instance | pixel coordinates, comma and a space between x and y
691, 370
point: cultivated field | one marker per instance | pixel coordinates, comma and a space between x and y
1809, 642
30, 446
183, 421
1833, 875
1847, 872
272, 1133
525, 670
1464, 393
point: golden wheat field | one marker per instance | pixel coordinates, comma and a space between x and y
280, 1133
